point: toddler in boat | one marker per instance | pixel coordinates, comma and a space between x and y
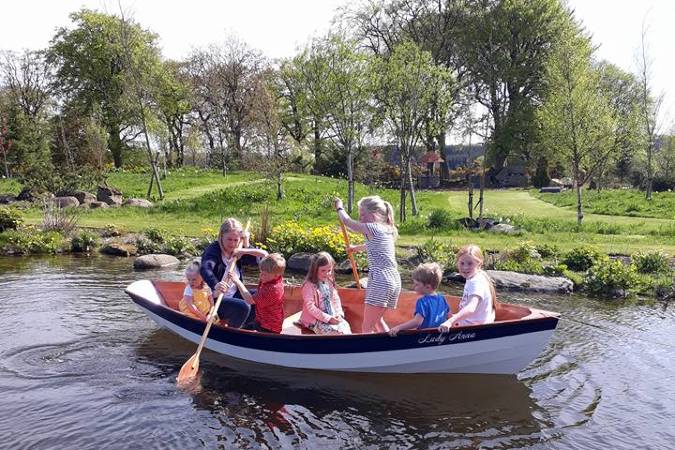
478, 303
197, 300
376, 222
267, 302
431, 310
321, 306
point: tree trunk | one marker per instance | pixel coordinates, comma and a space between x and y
401, 211
650, 170
445, 170
316, 170
577, 186
411, 187
280, 191
115, 145
350, 178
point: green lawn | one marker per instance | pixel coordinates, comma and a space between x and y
617, 202
197, 200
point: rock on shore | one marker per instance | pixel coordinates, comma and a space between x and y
521, 282
155, 261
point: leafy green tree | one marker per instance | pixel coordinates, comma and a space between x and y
344, 99
577, 121
173, 100
93, 70
408, 88
506, 47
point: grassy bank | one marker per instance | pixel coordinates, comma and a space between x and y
197, 201
617, 202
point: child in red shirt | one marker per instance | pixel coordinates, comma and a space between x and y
268, 299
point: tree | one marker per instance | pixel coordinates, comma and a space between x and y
576, 119
345, 99
28, 78
408, 86
650, 107
506, 46
173, 97
92, 70
272, 135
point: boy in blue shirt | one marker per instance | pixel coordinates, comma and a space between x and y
431, 309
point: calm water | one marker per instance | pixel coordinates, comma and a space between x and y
82, 368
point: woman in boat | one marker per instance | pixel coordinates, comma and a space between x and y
216, 259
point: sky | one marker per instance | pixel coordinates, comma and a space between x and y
279, 27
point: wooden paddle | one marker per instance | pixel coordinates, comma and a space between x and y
188, 373
350, 255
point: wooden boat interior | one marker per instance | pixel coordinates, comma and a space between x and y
352, 303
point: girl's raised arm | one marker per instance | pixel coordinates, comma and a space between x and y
350, 223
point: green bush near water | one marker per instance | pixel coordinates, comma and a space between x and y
35, 241
651, 262
10, 219
84, 241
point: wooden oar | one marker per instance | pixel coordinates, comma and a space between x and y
188, 373
350, 255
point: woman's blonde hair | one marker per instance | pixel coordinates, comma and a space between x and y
230, 224
381, 210
475, 252
318, 260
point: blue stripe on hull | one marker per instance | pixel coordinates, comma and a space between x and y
360, 343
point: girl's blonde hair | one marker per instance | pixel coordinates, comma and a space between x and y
318, 260
193, 268
475, 252
381, 210
228, 225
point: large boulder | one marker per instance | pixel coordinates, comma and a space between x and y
84, 197
299, 262
504, 228
155, 261
119, 249
521, 282
98, 204
65, 202
109, 195
7, 198
140, 202
33, 195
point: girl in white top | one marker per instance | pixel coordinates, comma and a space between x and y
479, 299
376, 222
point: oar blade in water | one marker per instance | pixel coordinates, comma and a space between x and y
188, 373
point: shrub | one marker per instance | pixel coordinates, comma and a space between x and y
531, 266
440, 219
179, 246
31, 241
63, 220
291, 237
525, 252
611, 278
557, 270
651, 262
10, 219
146, 246
84, 241
112, 231
664, 288
433, 250
548, 250
580, 259
156, 235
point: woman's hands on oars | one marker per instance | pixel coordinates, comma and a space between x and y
188, 373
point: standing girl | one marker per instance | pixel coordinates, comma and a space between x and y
478, 303
376, 222
321, 306
216, 259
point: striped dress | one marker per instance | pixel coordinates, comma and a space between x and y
384, 281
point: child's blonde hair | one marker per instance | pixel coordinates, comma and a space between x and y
475, 252
381, 210
428, 274
193, 267
273, 263
318, 260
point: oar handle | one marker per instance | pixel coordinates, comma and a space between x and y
350, 255
212, 313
